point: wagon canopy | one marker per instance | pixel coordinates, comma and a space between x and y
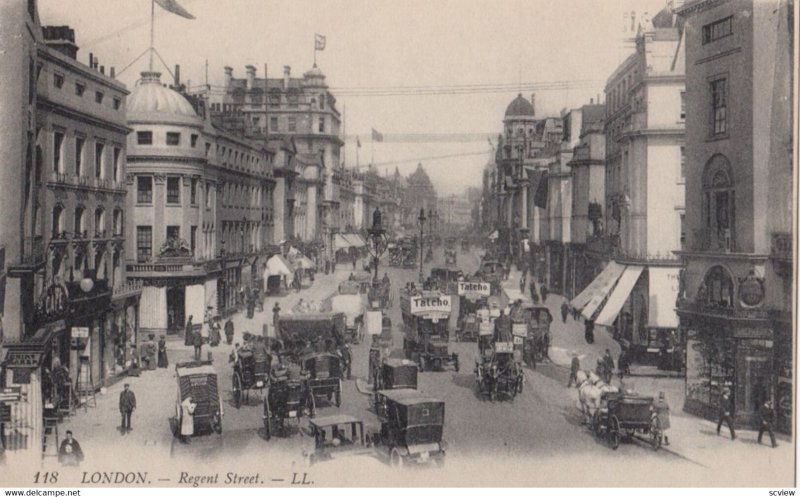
310, 326
350, 305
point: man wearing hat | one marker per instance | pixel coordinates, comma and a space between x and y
767, 416
661, 408
70, 453
574, 367
163, 362
726, 406
127, 404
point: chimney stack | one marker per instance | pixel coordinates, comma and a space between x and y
228, 76
533, 103
251, 76
287, 71
112, 73
91, 60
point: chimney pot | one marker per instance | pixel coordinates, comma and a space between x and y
251, 76
287, 72
228, 75
112, 72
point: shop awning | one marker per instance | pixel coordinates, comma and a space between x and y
619, 295
347, 240
278, 266
664, 286
612, 272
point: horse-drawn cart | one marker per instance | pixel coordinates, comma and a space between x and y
622, 416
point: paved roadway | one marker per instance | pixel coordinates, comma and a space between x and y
536, 440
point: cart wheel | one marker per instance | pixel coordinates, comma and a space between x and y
613, 432
216, 424
655, 433
267, 422
396, 459
237, 390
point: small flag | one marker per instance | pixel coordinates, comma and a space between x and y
376, 137
174, 7
319, 42
358, 142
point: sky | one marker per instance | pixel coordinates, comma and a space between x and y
507, 44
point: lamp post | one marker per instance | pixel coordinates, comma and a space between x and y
378, 238
421, 220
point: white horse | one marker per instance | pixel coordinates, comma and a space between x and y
590, 390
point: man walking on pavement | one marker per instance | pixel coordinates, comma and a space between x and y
609, 366
543, 290
127, 404
661, 409
197, 341
767, 415
573, 370
534, 296
726, 412
564, 311
276, 312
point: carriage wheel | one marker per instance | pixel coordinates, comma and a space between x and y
396, 459
613, 432
655, 433
267, 421
237, 390
216, 424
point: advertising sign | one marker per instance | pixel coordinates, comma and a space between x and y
80, 332
519, 329
486, 328
474, 290
421, 305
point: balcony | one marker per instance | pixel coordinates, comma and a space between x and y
127, 289
637, 121
713, 241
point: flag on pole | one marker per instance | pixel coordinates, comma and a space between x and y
175, 8
319, 42
376, 137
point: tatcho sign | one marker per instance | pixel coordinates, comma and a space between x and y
425, 305
474, 290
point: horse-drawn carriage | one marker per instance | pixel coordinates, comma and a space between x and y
379, 294
287, 397
197, 387
498, 373
324, 372
531, 330
352, 306
492, 271
472, 296
250, 371
621, 416
393, 374
425, 323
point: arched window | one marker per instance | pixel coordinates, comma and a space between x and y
79, 263
717, 288
719, 202
100, 264
118, 222
58, 221
100, 222
79, 224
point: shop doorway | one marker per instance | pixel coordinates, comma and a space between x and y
176, 309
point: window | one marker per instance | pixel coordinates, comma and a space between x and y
173, 190
274, 100
100, 222
292, 121
683, 164
98, 97
173, 139
144, 190
58, 220
58, 80
117, 103
293, 99
208, 195
193, 238
173, 233
683, 105
719, 215
193, 140
719, 107
273, 123
144, 243
79, 89
717, 29
256, 122
144, 137
117, 168
118, 220
682, 225
78, 221
193, 192
322, 101
208, 148
79, 143
321, 124
717, 287
99, 150
58, 143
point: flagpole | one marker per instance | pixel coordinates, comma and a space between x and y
152, 31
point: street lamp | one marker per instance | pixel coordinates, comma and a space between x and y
421, 220
379, 240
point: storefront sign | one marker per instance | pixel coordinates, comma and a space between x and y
80, 332
504, 347
752, 333
425, 305
751, 291
19, 359
474, 290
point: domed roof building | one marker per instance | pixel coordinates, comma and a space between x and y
151, 98
520, 107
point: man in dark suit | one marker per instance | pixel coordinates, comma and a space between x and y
767, 415
575, 366
127, 404
726, 408
70, 453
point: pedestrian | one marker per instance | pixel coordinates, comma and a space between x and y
522, 283
374, 359
543, 290
186, 416
276, 312
229, 331
127, 404
661, 409
354, 262
347, 360
600, 369
188, 332
534, 295
609, 366
767, 416
215, 332
589, 331
69, 452
251, 306
198, 345
574, 367
564, 311
622, 363
163, 362
726, 410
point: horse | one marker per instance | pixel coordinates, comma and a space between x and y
590, 390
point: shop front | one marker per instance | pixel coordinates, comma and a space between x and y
737, 353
